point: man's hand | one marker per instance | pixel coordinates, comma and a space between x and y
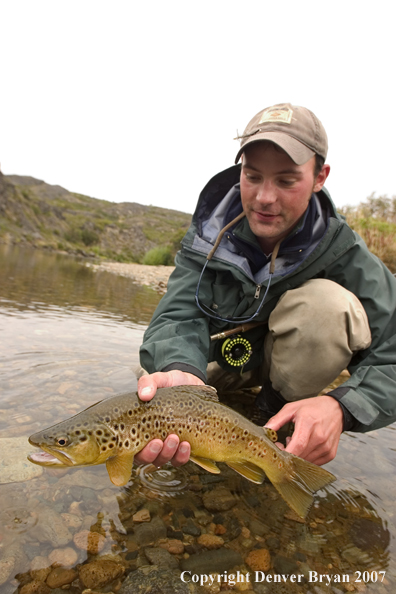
318, 424
158, 452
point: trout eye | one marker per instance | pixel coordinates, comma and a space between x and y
62, 441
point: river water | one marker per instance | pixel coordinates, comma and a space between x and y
70, 337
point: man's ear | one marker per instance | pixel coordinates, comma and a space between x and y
321, 178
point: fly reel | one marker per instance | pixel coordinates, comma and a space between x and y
236, 351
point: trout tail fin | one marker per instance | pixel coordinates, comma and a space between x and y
299, 481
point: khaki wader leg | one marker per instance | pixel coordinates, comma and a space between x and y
314, 331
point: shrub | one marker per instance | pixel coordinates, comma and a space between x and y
160, 256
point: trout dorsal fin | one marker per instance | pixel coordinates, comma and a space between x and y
120, 468
207, 393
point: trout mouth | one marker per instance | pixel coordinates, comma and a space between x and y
49, 457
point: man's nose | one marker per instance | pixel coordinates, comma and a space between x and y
266, 193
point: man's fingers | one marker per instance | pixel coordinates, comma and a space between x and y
169, 448
182, 455
149, 453
159, 453
285, 415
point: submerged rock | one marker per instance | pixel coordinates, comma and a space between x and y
150, 580
219, 499
149, 532
259, 560
160, 557
61, 576
51, 528
14, 465
212, 561
12, 561
99, 573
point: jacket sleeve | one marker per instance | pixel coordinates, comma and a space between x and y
370, 393
178, 334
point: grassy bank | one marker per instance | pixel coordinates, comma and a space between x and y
375, 221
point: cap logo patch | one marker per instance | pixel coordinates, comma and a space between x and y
283, 114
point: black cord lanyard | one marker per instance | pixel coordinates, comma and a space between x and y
210, 312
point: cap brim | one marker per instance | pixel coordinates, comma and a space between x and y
297, 151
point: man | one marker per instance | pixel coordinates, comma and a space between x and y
285, 258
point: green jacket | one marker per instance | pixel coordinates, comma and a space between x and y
321, 246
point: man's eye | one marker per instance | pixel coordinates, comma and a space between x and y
250, 177
287, 182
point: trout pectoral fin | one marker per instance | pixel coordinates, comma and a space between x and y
120, 468
248, 470
208, 465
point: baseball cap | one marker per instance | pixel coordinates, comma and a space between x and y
295, 129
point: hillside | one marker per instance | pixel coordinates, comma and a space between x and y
34, 213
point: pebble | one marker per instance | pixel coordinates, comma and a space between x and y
220, 529
285, 565
35, 587
143, 515
60, 576
191, 528
367, 534
161, 581
92, 542
160, 557
210, 541
99, 573
173, 546
14, 466
66, 557
12, 561
219, 499
40, 568
51, 528
212, 561
72, 520
259, 560
150, 532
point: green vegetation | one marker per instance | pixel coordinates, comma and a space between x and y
160, 256
44, 216
375, 221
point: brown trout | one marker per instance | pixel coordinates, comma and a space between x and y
114, 430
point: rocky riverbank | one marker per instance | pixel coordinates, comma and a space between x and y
155, 277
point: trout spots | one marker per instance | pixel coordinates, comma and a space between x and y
83, 438
122, 427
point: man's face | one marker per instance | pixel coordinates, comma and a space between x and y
275, 192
